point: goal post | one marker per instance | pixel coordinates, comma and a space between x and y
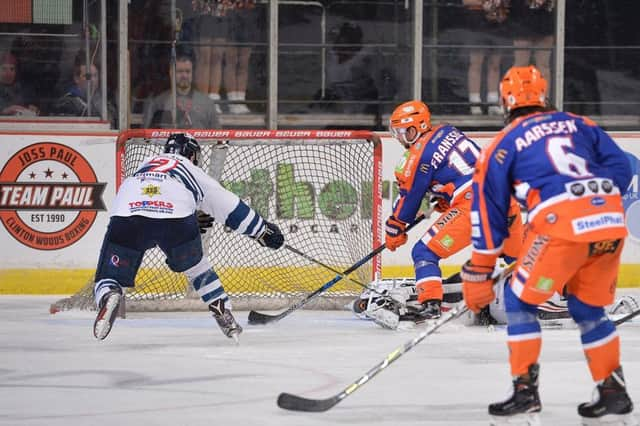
323, 188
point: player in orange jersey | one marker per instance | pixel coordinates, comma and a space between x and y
571, 177
439, 162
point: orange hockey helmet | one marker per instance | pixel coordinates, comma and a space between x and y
409, 114
523, 87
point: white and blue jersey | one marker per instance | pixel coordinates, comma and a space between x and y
170, 186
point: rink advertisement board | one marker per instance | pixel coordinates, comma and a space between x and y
54, 194
56, 189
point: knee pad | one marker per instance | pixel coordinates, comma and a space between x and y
118, 263
185, 256
522, 318
592, 320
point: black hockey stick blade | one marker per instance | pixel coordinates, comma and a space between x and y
627, 317
297, 403
258, 318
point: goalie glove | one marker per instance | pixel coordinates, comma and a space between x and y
395, 233
477, 286
271, 236
205, 221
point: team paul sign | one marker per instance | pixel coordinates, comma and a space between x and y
49, 196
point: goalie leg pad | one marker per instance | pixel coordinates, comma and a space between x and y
385, 315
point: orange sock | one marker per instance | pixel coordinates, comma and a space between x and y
428, 290
604, 358
523, 353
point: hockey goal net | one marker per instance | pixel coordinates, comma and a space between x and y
321, 187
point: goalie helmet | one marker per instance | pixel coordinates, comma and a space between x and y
414, 114
183, 144
523, 87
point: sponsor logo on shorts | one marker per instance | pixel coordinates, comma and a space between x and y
596, 222
535, 249
446, 241
444, 219
601, 247
49, 196
544, 284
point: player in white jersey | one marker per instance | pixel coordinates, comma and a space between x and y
157, 206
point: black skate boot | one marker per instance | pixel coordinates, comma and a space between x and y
427, 310
523, 404
107, 311
485, 318
611, 403
225, 320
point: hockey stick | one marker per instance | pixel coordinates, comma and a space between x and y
259, 318
317, 262
627, 317
297, 403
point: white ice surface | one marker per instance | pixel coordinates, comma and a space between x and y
178, 369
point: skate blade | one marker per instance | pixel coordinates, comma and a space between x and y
525, 419
104, 321
611, 420
235, 338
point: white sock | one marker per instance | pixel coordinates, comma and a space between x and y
492, 97
236, 96
474, 98
214, 96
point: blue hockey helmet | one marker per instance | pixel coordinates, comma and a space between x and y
184, 144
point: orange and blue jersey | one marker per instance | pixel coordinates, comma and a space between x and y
440, 162
568, 173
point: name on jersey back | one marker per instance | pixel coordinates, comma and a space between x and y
539, 131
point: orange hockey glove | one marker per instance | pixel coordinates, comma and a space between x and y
477, 286
395, 233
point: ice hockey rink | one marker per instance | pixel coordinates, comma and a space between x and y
178, 369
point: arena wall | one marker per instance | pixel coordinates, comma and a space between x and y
55, 191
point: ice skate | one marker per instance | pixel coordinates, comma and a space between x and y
523, 405
225, 320
107, 311
428, 310
611, 404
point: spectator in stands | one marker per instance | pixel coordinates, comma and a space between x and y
485, 20
220, 22
354, 73
242, 29
83, 98
13, 99
532, 27
194, 109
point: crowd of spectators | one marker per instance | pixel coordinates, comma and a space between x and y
360, 60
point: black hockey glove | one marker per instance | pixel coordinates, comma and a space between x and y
205, 221
271, 236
